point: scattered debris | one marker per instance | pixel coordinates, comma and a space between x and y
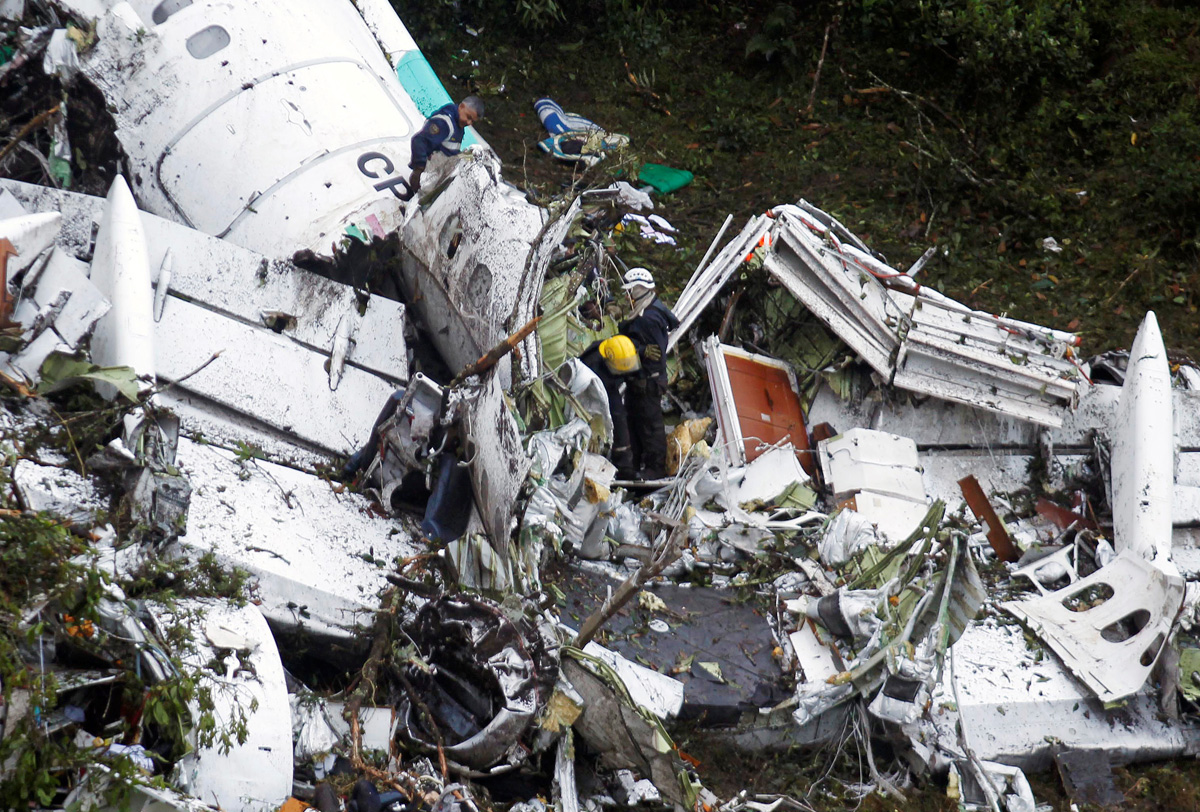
867, 538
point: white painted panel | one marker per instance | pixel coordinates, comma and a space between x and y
268, 377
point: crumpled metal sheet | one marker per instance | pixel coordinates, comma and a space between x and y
488, 678
625, 736
1110, 645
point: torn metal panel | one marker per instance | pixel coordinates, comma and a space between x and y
708, 281
484, 679
986, 362
815, 659
1109, 628
655, 692
854, 307
319, 558
29, 360
233, 650
10, 207
768, 476
894, 517
866, 460
86, 304
30, 235
612, 726
275, 145
997, 533
268, 378
497, 459
878, 476
927, 421
919, 339
1007, 696
474, 259
58, 491
757, 403
1143, 450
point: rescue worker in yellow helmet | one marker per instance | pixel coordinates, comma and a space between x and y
614, 360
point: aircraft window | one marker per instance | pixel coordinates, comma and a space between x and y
207, 41
166, 8
479, 288
451, 236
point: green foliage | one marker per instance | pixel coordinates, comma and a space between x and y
539, 14
169, 580
35, 561
42, 564
776, 39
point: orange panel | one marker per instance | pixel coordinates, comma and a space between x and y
768, 409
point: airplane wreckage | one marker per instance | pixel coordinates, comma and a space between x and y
896, 519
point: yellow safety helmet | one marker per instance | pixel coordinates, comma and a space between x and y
620, 356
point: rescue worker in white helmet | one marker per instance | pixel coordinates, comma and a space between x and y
649, 326
614, 360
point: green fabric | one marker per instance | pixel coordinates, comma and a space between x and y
796, 496
664, 178
1189, 664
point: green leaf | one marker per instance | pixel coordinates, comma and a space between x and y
60, 371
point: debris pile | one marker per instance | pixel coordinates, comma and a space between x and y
942, 533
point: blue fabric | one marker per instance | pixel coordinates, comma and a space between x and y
557, 122
434, 134
449, 507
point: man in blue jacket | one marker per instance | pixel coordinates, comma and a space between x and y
442, 133
649, 326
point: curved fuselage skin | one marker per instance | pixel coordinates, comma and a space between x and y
273, 125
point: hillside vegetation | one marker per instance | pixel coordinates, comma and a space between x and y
978, 127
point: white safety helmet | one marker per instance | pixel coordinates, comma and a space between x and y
638, 277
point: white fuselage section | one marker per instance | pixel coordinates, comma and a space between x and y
273, 125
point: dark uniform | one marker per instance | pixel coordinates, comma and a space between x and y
442, 132
621, 454
644, 391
